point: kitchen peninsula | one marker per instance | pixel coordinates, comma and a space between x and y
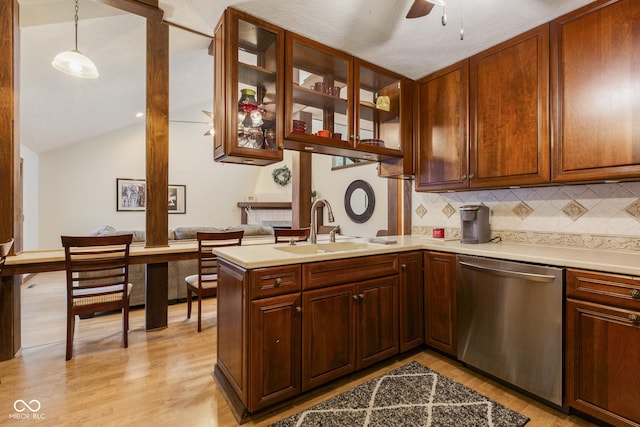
291, 318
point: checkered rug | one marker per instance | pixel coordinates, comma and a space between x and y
411, 395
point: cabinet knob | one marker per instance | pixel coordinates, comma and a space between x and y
298, 309
355, 297
635, 293
281, 146
463, 177
360, 296
403, 266
357, 138
278, 282
351, 137
634, 319
471, 176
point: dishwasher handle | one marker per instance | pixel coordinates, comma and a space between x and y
508, 273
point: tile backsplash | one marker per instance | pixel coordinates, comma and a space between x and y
599, 216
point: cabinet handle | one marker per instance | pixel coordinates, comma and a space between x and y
635, 293
634, 319
278, 282
298, 309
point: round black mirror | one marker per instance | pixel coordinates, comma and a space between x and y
359, 201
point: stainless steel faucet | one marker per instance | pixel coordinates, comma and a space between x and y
313, 236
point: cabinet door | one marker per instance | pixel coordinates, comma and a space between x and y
377, 330
411, 299
248, 83
442, 159
596, 92
319, 96
275, 350
440, 301
328, 334
602, 370
510, 140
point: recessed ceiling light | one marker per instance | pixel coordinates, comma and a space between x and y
139, 114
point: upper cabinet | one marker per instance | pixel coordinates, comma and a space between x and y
248, 95
596, 92
442, 161
509, 102
337, 104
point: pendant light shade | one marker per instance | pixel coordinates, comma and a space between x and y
73, 62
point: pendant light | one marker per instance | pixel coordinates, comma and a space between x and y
73, 62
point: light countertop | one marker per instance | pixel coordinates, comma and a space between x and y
266, 255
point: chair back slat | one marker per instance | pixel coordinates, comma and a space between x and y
96, 265
208, 261
286, 234
4, 251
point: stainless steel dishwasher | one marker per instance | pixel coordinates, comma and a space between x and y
510, 323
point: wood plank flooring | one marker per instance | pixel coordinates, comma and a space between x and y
164, 377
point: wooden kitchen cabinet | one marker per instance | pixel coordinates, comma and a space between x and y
442, 153
440, 301
596, 92
348, 326
509, 109
602, 346
411, 300
248, 88
275, 350
363, 108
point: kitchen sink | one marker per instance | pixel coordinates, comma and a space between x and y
320, 248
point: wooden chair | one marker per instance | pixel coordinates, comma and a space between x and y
286, 234
205, 283
97, 270
4, 251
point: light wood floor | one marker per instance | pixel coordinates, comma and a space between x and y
163, 378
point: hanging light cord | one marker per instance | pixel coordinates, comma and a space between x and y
76, 20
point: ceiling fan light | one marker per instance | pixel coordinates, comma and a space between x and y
437, 2
76, 64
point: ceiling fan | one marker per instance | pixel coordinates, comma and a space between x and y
420, 8
209, 114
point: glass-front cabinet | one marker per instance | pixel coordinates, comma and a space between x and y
337, 104
248, 82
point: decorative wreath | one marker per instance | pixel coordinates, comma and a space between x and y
281, 176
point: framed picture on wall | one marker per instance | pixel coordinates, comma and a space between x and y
131, 196
177, 199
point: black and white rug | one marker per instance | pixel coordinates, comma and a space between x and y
412, 395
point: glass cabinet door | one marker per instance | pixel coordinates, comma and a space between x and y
318, 99
248, 59
378, 109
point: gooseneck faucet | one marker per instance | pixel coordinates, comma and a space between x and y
313, 235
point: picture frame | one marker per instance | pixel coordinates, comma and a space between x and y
177, 199
131, 196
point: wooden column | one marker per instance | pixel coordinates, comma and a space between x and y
10, 215
301, 191
399, 206
157, 169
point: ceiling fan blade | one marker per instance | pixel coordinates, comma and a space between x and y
208, 113
419, 8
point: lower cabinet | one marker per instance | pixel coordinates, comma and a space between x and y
603, 346
440, 301
275, 350
411, 300
284, 330
348, 327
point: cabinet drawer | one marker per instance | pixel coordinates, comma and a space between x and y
272, 281
327, 273
613, 289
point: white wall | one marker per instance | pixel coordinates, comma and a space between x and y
332, 185
77, 183
30, 191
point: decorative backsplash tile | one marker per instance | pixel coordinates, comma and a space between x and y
605, 216
421, 210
